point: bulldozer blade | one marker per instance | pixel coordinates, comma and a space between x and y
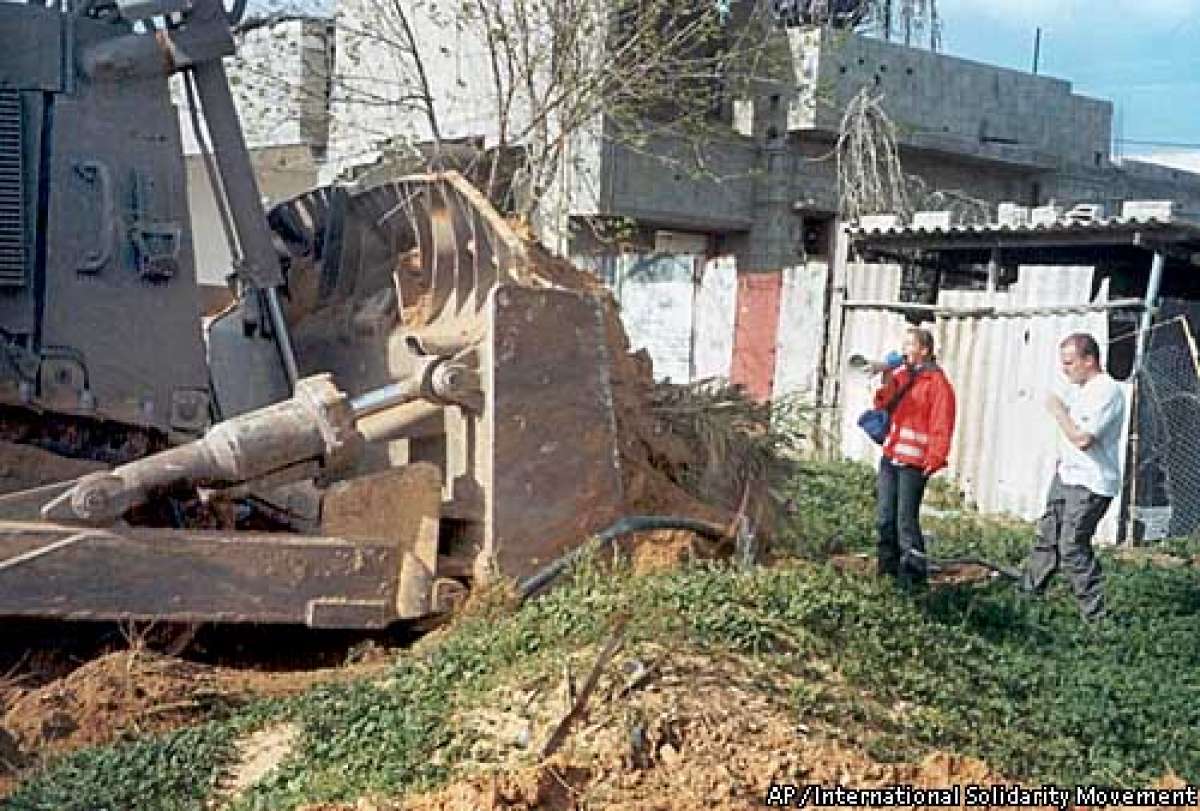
534, 470
371, 565
67, 573
556, 476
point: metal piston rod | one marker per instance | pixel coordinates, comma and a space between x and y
317, 432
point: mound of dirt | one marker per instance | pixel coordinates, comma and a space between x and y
138, 692
668, 730
665, 549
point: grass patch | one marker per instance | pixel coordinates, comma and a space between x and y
832, 509
1023, 685
171, 772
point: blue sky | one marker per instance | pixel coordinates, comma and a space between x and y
1143, 55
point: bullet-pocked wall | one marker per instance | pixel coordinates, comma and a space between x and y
946, 103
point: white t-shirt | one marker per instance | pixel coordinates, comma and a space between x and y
1097, 408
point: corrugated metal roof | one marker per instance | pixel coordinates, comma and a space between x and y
1123, 230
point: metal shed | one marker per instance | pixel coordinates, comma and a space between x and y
1000, 299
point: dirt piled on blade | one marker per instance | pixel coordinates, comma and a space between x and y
647, 446
649, 450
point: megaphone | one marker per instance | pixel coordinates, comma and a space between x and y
860, 363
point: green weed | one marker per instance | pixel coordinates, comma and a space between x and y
1026, 686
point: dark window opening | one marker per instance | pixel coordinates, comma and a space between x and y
1121, 345
817, 236
975, 277
919, 284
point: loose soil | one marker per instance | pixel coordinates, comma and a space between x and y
258, 755
138, 692
665, 730
958, 573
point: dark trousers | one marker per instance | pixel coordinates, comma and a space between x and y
898, 505
1064, 539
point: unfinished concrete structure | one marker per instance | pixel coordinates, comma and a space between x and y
985, 132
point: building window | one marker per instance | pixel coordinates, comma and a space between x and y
975, 277
817, 235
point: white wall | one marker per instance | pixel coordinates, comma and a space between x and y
680, 308
799, 344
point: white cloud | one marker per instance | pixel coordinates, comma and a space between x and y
1187, 159
1081, 13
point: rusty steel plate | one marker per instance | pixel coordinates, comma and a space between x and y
555, 474
192, 576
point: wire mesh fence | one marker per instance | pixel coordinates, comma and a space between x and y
1165, 455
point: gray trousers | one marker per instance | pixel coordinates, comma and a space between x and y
1064, 539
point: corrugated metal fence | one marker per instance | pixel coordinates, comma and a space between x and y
1002, 368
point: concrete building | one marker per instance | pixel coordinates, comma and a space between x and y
965, 128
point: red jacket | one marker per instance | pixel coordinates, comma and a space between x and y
923, 421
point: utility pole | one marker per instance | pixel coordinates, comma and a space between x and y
1037, 49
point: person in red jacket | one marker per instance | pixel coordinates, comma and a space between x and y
917, 446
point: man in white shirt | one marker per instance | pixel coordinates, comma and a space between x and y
1089, 419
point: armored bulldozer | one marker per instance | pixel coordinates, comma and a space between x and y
388, 411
